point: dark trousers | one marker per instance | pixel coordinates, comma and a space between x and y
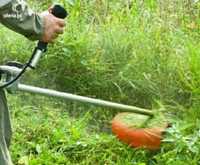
5, 131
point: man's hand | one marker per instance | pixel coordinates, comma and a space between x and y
53, 26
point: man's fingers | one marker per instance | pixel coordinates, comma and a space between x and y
53, 26
59, 30
60, 22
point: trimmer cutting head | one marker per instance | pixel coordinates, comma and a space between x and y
138, 130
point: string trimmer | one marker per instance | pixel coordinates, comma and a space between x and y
126, 126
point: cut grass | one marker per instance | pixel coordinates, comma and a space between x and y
46, 133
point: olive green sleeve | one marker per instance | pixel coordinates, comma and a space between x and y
16, 15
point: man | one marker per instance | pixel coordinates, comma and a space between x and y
16, 15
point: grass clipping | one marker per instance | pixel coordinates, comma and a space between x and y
133, 120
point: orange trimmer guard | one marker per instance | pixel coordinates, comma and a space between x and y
128, 128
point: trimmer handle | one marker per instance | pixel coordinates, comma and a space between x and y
41, 47
59, 12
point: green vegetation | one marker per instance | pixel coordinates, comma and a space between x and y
144, 53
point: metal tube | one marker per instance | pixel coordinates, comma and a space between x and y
10, 69
36, 58
68, 96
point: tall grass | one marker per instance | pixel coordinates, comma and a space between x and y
127, 50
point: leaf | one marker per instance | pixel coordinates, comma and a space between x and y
71, 2
38, 149
23, 160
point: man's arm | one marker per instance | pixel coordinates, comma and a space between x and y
16, 15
